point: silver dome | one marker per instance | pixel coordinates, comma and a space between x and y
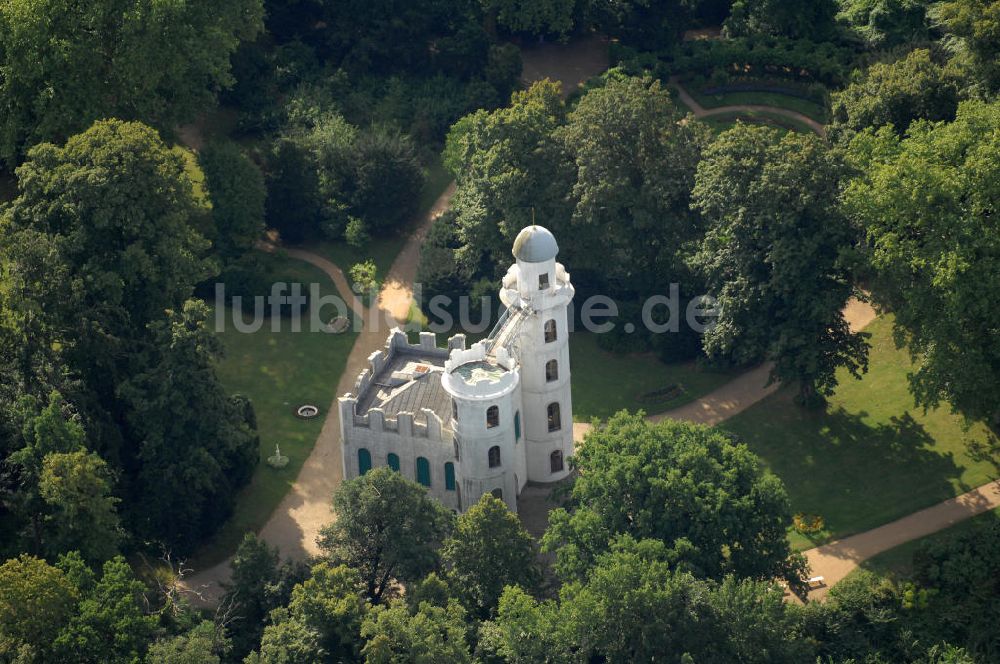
535, 244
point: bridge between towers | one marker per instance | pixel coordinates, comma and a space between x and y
507, 330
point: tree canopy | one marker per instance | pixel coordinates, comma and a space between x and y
67, 64
707, 499
387, 528
775, 256
926, 203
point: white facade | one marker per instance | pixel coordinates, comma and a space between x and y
503, 415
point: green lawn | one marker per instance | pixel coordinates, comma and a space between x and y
807, 107
872, 456
279, 371
899, 561
604, 383
723, 121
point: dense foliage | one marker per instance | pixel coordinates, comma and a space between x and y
774, 256
927, 204
67, 64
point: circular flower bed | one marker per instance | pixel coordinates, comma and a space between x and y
307, 411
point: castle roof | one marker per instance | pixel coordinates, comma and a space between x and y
535, 244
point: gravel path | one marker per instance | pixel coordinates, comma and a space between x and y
702, 112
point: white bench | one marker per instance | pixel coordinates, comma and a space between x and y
816, 582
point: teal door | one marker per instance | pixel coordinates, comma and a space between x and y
364, 461
393, 461
423, 471
449, 476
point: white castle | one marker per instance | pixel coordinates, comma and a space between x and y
468, 421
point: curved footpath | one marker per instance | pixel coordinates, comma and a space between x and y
702, 112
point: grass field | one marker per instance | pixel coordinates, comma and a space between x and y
278, 371
872, 456
898, 562
724, 121
604, 383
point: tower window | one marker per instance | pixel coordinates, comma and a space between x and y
517, 426
449, 476
364, 461
423, 471
543, 281
550, 330
454, 410
497, 493
492, 417
556, 462
555, 421
494, 456
393, 461
551, 371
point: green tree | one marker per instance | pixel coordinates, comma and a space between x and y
385, 179
431, 634
200, 645
533, 16
108, 219
110, 625
192, 460
974, 26
36, 602
387, 528
156, 62
322, 621
254, 569
887, 23
508, 164
788, 18
926, 203
293, 198
709, 500
489, 549
46, 431
775, 257
634, 607
896, 93
77, 490
236, 188
633, 164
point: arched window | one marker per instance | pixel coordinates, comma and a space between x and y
555, 421
543, 281
364, 461
551, 371
393, 461
423, 471
497, 493
494, 456
517, 426
556, 462
449, 476
550, 330
492, 417
454, 410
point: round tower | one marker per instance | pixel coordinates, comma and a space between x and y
538, 291
486, 403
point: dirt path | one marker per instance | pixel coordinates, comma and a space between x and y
702, 112
305, 509
837, 559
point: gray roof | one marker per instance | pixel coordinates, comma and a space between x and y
396, 396
535, 244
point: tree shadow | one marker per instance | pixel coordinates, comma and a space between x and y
855, 473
